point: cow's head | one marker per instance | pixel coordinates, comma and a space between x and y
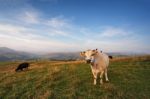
89, 55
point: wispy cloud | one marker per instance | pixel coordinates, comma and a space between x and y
26, 39
10, 29
121, 45
29, 38
30, 17
57, 22
112, 39
58, 32
113, 31
33, 39
33, 45
35, 32
58, 26
53, 26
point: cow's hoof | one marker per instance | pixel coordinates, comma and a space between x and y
107, 81
101, 81
94, 84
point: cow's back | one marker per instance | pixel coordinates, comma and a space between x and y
106, 59
103, 60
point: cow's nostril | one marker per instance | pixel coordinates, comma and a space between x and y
88, 61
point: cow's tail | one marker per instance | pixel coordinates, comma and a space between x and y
110, 57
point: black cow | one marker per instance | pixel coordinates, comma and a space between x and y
22, 66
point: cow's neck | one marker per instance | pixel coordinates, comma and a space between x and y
97, 58
97, 55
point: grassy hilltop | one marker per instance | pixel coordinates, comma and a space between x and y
129, 79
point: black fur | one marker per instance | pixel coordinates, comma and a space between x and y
22, 66
110, 57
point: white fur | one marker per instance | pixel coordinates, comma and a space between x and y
100, 65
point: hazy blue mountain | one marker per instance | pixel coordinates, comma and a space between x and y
62, 56
5, 50
7, 54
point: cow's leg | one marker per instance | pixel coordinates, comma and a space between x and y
95, 76
101, 77
26, 68
106, 77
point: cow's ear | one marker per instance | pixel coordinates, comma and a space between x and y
82, 53
96, 50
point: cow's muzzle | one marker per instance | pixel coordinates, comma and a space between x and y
88, 61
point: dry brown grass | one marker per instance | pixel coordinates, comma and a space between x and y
132, 58
73, 80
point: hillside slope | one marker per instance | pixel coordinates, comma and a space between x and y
129, 79
7, 54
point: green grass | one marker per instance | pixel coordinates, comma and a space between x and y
129, 79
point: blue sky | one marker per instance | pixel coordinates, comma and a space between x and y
75, 25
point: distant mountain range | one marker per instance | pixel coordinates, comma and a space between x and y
62, 56
7, 54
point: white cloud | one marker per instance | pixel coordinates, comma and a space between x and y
56, 32
32, 45
18, 31
36, 33
112, 39
7, 28
28, 39
112, 31
121, 45
31, 17
54, 22
54, 26
57, 22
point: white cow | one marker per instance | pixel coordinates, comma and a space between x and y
99, 62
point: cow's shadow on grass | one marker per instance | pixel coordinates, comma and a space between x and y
24, 70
